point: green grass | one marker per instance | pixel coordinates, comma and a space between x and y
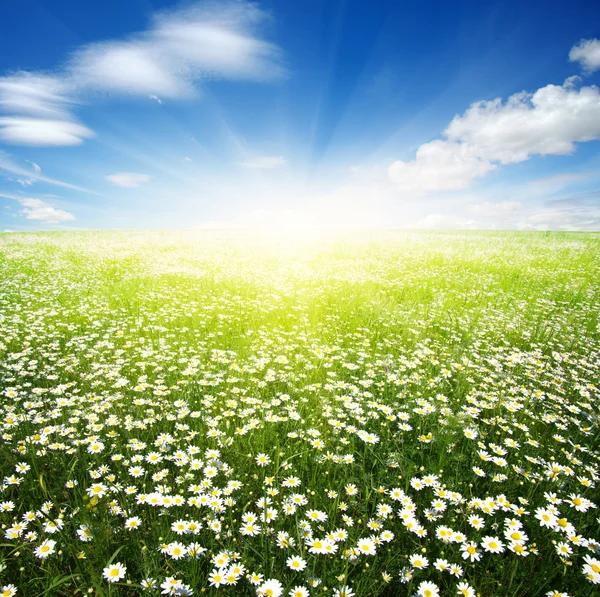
366, 360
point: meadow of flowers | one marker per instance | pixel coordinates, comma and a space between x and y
189, 413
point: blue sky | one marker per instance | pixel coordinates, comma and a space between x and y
286, 114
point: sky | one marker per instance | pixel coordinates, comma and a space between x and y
292, 115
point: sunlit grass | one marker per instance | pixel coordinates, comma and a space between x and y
350, 413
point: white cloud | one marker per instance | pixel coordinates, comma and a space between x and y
490, 209
547, 122
36, 209
265, 162
587, 53
38, 131
439, 166
179, 49
124, 67
39, 95
39, 111
585, 218
128, 179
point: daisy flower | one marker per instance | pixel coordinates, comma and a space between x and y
296, 563
114, 572
270, 588
492, 544
465, 589
428, 589
419, 562
45, 549
470, 552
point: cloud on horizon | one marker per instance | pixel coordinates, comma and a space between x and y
36, 209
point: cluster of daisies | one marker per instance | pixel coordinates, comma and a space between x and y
236, 420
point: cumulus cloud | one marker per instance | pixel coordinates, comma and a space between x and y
549, 121
265, 162
439, 166
36, 209
128, 179
587, 53
180, 49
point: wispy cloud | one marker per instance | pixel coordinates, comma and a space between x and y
38, 131
265, 162
38, 111
168, 60
8, 165
128, 179
36, 167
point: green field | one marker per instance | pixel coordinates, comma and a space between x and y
362, 414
